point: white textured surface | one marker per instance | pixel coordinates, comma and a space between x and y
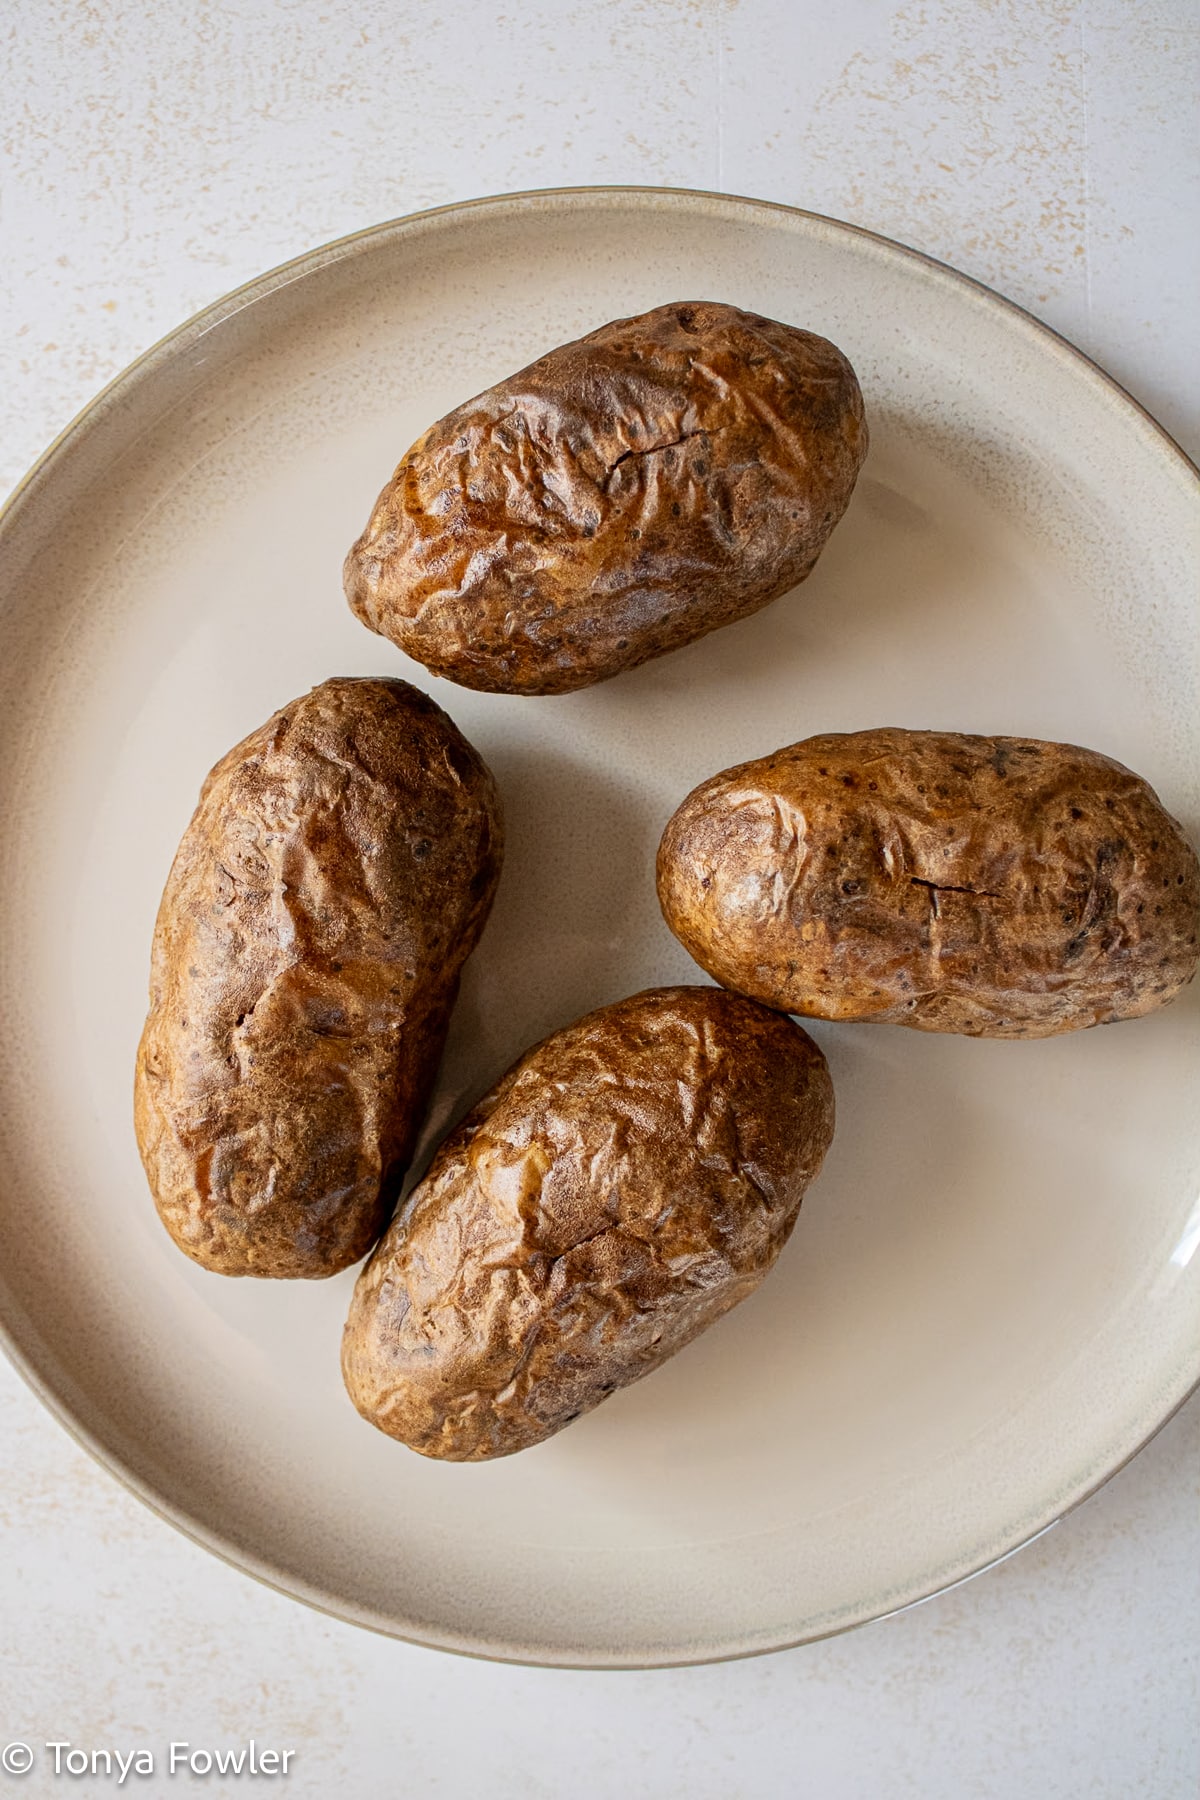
1046, 148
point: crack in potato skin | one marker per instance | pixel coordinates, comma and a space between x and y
625, 1184
994, 886
623, 495
335, 876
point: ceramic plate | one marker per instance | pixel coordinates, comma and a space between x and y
990, 1300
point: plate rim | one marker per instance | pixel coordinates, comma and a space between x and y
294, 268
163, 349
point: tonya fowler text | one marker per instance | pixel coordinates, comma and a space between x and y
181, 1760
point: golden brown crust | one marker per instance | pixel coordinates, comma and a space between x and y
627, 1182
1001, 887
333, 880
623, 495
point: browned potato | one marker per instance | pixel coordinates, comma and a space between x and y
627, 1182
621, 496
334, 878
1001, 887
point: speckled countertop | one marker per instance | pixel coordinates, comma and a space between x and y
152, 159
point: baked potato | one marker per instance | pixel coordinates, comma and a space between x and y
335, 876
621, 496
997, 886
627, 1182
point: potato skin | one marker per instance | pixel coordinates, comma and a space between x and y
621, 496
996, 886
628, 1181
333, 880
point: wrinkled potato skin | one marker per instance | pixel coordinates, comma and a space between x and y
1000, 887
623, 495
334, 878
627, 1182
